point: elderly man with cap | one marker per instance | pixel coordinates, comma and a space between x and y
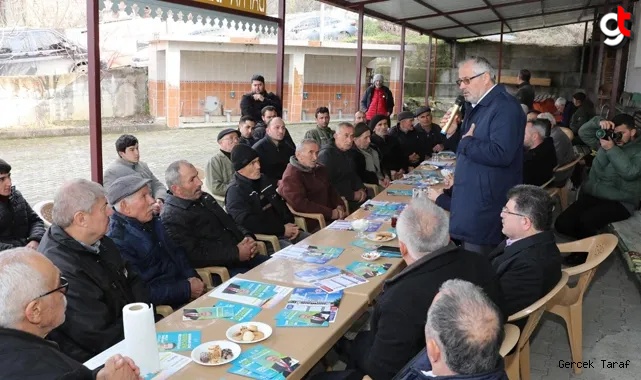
218, 171
274, 150
253, 202
389, 148
413, 144
378, 99
367, 158
435, 139
144, 242
100, 282
30, 311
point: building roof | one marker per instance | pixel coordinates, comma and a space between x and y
458, 19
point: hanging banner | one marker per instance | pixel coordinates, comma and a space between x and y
251, 6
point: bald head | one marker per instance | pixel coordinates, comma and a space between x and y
423, 227
276, 129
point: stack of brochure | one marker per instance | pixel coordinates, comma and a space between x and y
309, 307
329, 278
260, 362
310, 253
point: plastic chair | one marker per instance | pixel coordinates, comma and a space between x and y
512, 334
271, 239
568, 132
206, 273
44, 209
543, 186
517, 365
564, 191
568, 304
164, 310
373, 188
300, 217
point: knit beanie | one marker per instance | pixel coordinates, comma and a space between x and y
242, 155
360, 128
377, 77
376, 119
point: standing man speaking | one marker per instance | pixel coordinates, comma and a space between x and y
489, 156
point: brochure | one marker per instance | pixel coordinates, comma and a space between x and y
260, 362
368, 270
202, 313
346, 225
365, 244
250, 292
400, 192
242, 313
314, 299
311, 275
170, 363
339, 282
177, 340
310, 253
300, 318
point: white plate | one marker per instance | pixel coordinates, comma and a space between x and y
371, 256
428, 167
262, 327
372, 236
446, 155
235, 349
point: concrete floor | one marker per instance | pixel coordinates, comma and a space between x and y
612, 306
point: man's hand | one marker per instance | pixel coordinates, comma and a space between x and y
338, 213
453, 126
360, 195
197, 287
384, 182
245, 250
449, 181
438, 148
33, 245
606, 144
414, 157
470, 133
119, 368
606, 124
291, 231
433, 193
259, 97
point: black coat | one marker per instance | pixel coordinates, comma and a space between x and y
256, 206
411, 142
259, 133
539, 163
415, 370
204, 230
274, 158
251, 107
100, 285
398, 321
361, 165
26, 356
433, 137
342, 170
527, 270
392, 157
19, 224
366, 101
525, 94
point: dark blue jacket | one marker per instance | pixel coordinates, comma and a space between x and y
155, 257
413, 371
488, 165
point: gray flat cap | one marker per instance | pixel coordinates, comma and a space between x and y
124, 187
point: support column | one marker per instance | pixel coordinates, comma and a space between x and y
427, 72
95, 115
280, 50
434, 73
395, 83
296, 82
401, 75
498, 79
617, 73
359, 57
172, 86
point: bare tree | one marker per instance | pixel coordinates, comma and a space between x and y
57, 14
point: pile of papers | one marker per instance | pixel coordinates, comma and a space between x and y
346, 225
310, 253
330, 279
260, 362
309, 307
367, 270
250, 292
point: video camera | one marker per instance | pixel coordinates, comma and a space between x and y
609, 134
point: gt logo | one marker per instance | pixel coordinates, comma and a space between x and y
617, 34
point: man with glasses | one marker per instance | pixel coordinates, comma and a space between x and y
100, 282
219, 172
29, 313
528, 262
489, 156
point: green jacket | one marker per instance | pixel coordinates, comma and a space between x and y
615, 173
218, 174
323, 136
580, 117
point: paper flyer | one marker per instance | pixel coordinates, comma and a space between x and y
400, 192
368, 270
242, 313
311, 275
339, 282
310, 253
346, 225
365, 244
203, 313
300, 318
250, 292
176, 341
260, 362
170, 363
314, 299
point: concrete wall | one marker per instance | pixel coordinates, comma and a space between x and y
633, 73
43, 100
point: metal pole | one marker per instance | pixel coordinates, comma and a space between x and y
435, 59
617, 73
401, 74
280, 51
591, 57
359, 56
498, 79
585, 36
427, 73
95, 116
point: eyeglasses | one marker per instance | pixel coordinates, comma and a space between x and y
505, 210
64, 285
466, 81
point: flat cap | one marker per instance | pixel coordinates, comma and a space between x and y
227, 131
422, 110
405, 115
124, 187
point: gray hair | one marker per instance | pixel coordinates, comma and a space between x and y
343, 125
76, 195
172, 174
423, 227
15, 291
481, 65
547, 116
535, 203
539, 127
467, 327
560, 101
305, 142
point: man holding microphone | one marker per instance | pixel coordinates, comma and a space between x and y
489, 156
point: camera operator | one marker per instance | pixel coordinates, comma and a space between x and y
613, 188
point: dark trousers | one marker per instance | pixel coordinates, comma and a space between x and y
588, 215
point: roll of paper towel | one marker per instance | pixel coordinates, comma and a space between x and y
140, 336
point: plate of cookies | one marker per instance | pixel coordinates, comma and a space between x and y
217, 352
245, 333
381, 237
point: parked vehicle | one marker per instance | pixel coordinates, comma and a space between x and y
308, 28
35, 51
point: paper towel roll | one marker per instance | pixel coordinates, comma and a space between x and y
140, 336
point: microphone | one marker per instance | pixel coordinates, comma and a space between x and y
456, 108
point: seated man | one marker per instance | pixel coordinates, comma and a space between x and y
30, 312
565, 111
540, 157
245, 127
392, 159
323, 134
20, 226
338, 160
413, 144
463, 335
398, 321
367, 158
613, 188
202, 228
274, 150
100, 282
253, 202
218, 171
562, 146
584, 111
435, 139
306, 187
129, 163
144, 242
359, 117
528, 263
259, 132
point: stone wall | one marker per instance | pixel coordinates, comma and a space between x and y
40, 101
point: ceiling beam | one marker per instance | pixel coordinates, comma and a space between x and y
435, 10
357, 4
498, 14
519, 2
520, 30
